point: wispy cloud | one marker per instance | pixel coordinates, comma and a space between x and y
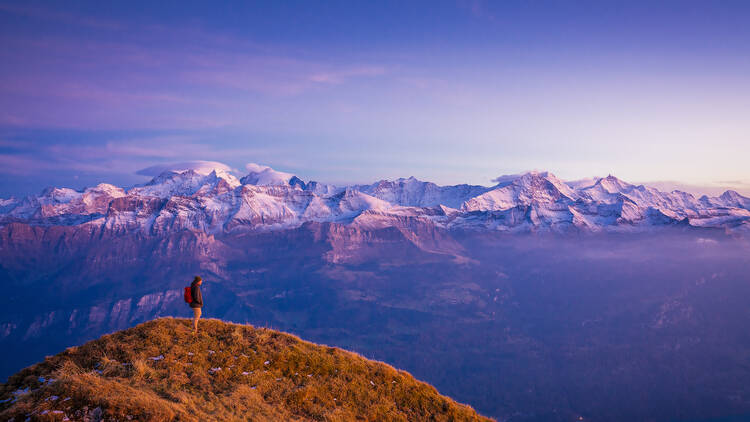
342, 75
59, 16
22, 165
744, 184
199, 166
123, 156
273, 75
129, 81
710, 189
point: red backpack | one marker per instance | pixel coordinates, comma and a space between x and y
188, 295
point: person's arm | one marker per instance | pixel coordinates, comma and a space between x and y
199, 295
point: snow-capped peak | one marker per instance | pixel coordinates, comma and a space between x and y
182, 179
60, 195
582, 183
265, 176
190, 172
410, 179
613, 185
533, 187
204, 168
205, 196
535, 180
733, 199
731, 195
507, 179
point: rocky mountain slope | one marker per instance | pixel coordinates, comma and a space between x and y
214, 201
158, 371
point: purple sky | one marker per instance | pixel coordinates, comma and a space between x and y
452, 92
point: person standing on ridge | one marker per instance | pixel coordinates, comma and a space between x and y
197, 303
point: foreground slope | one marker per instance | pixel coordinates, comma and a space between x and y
158, 371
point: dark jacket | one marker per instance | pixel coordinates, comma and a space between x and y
195, 292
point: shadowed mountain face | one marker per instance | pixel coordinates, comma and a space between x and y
648, 326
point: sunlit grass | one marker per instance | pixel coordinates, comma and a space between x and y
158, 371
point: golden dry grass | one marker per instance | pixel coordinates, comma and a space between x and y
158, 371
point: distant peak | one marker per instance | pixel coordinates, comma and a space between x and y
410, 179
730, 194
612, 184
296, 181
256, 168
261, 175
531, 174
583, 183
203, 168
106, 188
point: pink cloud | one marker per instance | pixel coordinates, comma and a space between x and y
710, 189
13, 120
100, 84
22, 165
340, 76
121, 156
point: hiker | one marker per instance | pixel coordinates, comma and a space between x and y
197, 303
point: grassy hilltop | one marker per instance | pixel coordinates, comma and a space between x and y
158, 371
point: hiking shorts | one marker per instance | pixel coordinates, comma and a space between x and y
196, 313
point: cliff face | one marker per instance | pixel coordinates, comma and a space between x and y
158, 371
85, 280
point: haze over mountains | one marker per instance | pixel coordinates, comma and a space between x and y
206, 197
522, 299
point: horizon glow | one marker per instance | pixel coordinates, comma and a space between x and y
349, 92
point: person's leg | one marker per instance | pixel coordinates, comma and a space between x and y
196, 317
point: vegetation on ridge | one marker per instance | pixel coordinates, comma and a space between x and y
159, 371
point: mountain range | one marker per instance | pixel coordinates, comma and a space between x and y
521, 299
212, 200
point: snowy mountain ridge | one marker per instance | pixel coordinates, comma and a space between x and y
212, 200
